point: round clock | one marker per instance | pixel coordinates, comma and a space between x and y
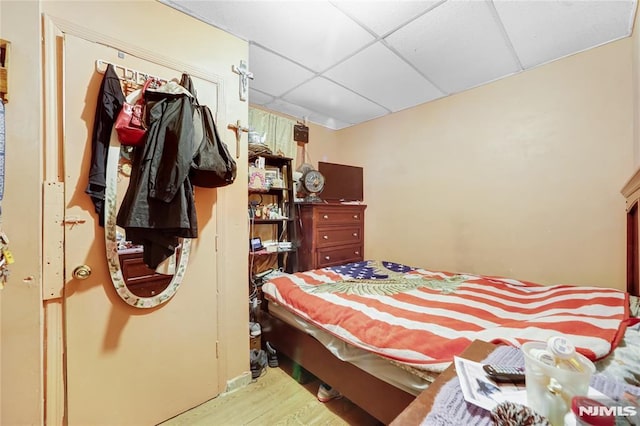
313, 184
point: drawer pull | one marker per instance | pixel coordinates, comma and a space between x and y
357, 253
327, 258
326, 237
355, 216
355, 234
326, 216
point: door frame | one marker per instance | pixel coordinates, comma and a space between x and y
53, 274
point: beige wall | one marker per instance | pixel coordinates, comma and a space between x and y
518, 178
322, 146
21, 322
163, 31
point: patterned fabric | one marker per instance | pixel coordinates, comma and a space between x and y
371, 269
383, 278
424, 318
634, 306
511, 413
624, 362
450, 408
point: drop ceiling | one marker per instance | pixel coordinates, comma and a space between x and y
340, 63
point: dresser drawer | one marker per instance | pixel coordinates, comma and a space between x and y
332, 234
338, 235
141, 280
338, 255
338, 215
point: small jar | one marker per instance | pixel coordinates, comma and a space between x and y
564, 353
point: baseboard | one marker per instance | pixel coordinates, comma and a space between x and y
238, 382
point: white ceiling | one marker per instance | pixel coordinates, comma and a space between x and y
339, 63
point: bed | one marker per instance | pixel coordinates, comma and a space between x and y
380, 332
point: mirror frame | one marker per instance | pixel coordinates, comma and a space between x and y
113, 260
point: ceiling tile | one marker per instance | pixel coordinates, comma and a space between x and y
325, 97
312, 33
273, 74
384, 16
380, 75
457, 45
329, 122
544, 31
296, 111
301, 113
259, 98
322, 33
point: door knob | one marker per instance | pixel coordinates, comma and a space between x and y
82, 272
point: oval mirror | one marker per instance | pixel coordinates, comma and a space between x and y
136, 284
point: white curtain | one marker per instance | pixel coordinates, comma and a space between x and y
274, 131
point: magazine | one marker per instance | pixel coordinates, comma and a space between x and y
480, 390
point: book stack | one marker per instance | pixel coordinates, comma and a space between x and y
276, 246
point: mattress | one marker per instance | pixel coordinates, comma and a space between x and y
423, 318
410, 380
622, 365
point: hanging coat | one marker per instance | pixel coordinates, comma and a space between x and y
110, 100
158, 207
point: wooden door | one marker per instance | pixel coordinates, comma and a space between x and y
126, 365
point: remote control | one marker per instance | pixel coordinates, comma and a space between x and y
504, 373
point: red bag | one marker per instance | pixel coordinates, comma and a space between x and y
130, 124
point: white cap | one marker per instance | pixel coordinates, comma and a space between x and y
560, 347
543, 356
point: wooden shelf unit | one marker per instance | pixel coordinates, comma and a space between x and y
275, 229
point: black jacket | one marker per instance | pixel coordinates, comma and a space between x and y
110, 100
158, 207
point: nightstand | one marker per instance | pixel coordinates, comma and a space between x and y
418, 410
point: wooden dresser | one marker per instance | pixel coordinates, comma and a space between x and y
141, 280
332, 234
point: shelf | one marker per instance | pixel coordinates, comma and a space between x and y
282, 229
274, 160
271, 191
265, 253
269, 221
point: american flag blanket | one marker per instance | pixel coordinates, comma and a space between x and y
424, 318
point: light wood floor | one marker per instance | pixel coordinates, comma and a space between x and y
275, 398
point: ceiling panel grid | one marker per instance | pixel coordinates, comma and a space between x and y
339, 63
